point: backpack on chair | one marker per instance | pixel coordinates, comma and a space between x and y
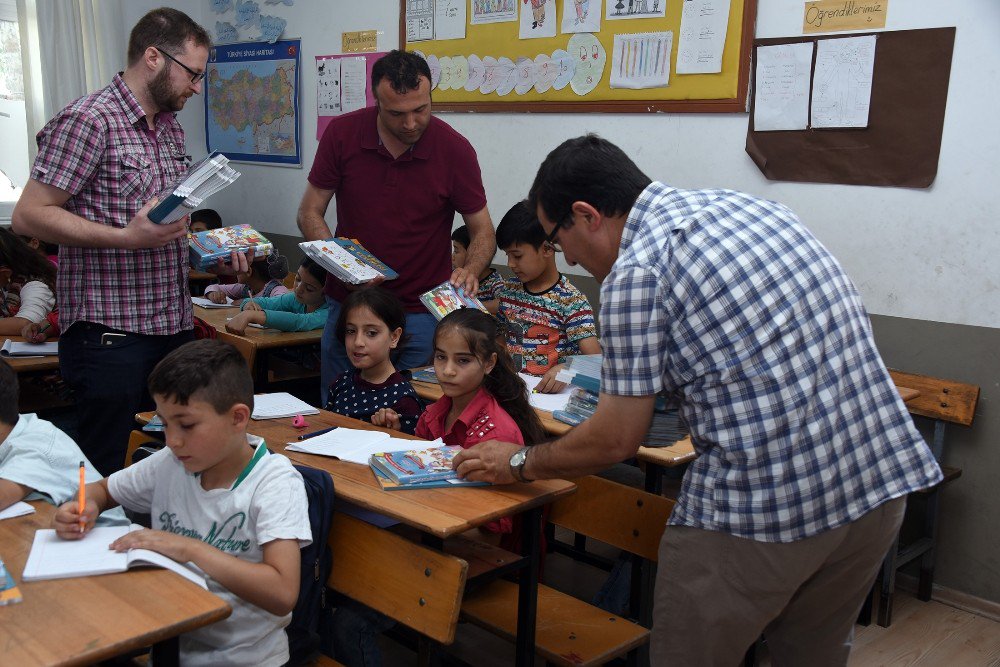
310, 617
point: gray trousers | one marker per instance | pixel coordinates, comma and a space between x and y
716, 593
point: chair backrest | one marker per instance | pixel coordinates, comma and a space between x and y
417, 586
947, 400
137, 439
245, 346
619, 515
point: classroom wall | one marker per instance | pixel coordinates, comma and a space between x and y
923, 259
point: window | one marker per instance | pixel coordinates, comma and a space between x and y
14, 166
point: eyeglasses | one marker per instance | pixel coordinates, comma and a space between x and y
551, 237
195, 76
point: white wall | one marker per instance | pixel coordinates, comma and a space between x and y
924, 254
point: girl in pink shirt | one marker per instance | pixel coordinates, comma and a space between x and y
484, 399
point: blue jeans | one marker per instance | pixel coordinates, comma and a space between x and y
416, 352
356, 629
108, 375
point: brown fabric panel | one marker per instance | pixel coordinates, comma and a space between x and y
901, 144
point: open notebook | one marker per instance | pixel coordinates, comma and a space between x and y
55, 558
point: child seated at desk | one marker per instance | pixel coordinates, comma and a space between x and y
491, 283
219, 500
370, 326
27, 285
37, 460
303, 309
264, 279
545, 317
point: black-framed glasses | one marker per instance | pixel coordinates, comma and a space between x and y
195, 76
551, 237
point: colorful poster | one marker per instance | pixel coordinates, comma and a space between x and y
616, 10
493, 11
538, 19
641, 60
581, 16
252, 102
342, 85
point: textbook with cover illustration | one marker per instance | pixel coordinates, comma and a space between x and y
209, 246
410, 466
190, 190
450, 483
52, 557
348, 260
446, 298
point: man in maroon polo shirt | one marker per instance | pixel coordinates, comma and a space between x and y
399, 175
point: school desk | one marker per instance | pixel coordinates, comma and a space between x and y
260, 341
87, 619
437, 513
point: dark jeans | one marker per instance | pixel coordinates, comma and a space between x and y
107, 373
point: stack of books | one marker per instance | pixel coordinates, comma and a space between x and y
428, 468
188, 192
211, 245
446, 298
348, 260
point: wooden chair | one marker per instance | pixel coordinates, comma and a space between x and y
413, 584
569, 631
943, 402
137, 439
244, 345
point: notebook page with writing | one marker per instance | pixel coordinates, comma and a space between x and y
280, 404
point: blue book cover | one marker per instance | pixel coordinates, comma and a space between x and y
410, 466
165, 207
209, 246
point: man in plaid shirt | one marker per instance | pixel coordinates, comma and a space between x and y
122, 283
727, 305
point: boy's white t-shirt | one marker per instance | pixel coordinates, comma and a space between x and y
267, 502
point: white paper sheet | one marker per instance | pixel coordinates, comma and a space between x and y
616, 10
493, 11
280, 404
328, 88
353, 78
581, 16
419, 20
704, 24
20, 508
641, 60
781, 87
537, 22
208, 303
842, 81
449, 19
548, 402
590, 58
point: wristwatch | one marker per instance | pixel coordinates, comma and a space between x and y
517, 462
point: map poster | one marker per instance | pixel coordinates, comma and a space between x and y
252, 102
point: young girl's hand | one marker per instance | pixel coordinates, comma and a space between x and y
386, 417
33, 334
238, 325
252, 305
67, 519
216, 297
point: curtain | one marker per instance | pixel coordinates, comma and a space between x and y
69, 48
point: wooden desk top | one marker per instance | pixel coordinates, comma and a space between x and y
439, 512
431, 391
676, 454
195, 274
87, 619
30, 364
262, 338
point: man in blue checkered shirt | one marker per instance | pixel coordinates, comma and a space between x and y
730, 307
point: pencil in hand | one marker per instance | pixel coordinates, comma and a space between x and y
82, 500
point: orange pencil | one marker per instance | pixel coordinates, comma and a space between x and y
82, 501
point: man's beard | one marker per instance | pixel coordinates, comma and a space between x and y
163, 95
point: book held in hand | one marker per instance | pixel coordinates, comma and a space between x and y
211, 245
188, 192
446, 298
347, 260
54, 558
411, 466
450, 483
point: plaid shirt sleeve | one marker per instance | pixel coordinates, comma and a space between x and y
70, 149
633, 332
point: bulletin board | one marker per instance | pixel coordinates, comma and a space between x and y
902, 142
725, 91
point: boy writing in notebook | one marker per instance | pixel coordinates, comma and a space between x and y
218, 500
546, 318
37, 460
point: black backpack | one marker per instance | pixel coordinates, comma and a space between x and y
310, 625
